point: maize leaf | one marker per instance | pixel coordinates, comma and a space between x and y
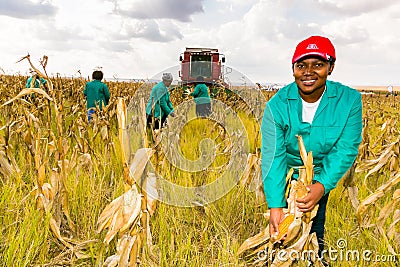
352, 192
111, 261
385, 212
288, 183
131, 210
309, 168
302, 149
104, 132
126, 249
152, 193
28, 91
254, 241
116, 224
5, 167
108, 212
302, 240
383, 159
134, 252
392, 227
56, 231
380, 192
138, 164
120, 214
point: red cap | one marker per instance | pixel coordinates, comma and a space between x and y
316, 46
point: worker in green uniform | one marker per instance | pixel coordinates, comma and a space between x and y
33, 80
201, 98
159, 105
96, 93
328, 116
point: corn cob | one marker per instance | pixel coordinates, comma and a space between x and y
283, 227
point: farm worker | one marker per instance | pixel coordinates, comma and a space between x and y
33, 80
159, 105
96, 93
328, 116
201, 98
390, 90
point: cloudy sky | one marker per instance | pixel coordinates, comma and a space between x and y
140, 38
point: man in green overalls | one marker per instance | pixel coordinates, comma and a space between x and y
34, 81
201, 98
159, 105
327, 114
96, 93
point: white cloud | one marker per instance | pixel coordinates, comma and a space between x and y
356, 7
152, 30
25, 9
180, 10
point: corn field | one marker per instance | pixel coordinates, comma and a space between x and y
72, 192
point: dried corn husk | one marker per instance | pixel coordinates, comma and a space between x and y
295, 228
120, 214
255, 241
6, 168
372, 198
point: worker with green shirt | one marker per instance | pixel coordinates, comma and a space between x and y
34, 81
96, 93
201, 98
159, 105
328, 116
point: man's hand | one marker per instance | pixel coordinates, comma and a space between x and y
275, 218
315, 193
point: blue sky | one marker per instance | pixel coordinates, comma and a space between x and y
140, 38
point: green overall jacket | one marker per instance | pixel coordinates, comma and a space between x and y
200, 94
36, 84
159, 101
96, 93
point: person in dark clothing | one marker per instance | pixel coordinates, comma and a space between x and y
96, 93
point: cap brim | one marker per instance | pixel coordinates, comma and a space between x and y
321, 55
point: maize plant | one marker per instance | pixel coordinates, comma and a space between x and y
294, 231
46, 129
386, 164
52, 196
127, 215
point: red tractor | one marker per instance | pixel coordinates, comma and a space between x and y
205, 62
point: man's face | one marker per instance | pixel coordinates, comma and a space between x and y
167, 82
310, 75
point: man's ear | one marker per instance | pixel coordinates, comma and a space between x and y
331, 67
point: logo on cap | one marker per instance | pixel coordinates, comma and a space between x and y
312, 46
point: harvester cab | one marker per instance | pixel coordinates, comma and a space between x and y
205, 62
